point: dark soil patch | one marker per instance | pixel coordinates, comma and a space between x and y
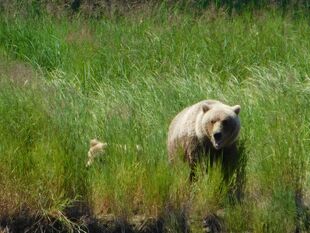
25, 222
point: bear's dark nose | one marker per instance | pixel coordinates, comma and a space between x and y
217, 136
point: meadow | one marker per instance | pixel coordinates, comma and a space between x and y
66, 80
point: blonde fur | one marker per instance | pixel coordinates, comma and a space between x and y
190, 132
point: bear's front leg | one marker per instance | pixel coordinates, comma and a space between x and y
191, 155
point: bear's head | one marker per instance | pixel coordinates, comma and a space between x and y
221, 124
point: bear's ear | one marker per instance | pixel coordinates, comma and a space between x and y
205, 108
236, 109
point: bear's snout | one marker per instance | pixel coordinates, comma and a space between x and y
217, 136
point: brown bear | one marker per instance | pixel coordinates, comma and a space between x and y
98, 148
208, 127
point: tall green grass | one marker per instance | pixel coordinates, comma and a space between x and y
122, 81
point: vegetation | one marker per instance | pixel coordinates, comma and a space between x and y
64, 81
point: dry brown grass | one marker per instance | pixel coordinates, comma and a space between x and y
21, 74
84, 35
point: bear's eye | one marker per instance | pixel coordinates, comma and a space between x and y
225, 122
213, 122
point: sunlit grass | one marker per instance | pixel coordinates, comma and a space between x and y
122, 81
